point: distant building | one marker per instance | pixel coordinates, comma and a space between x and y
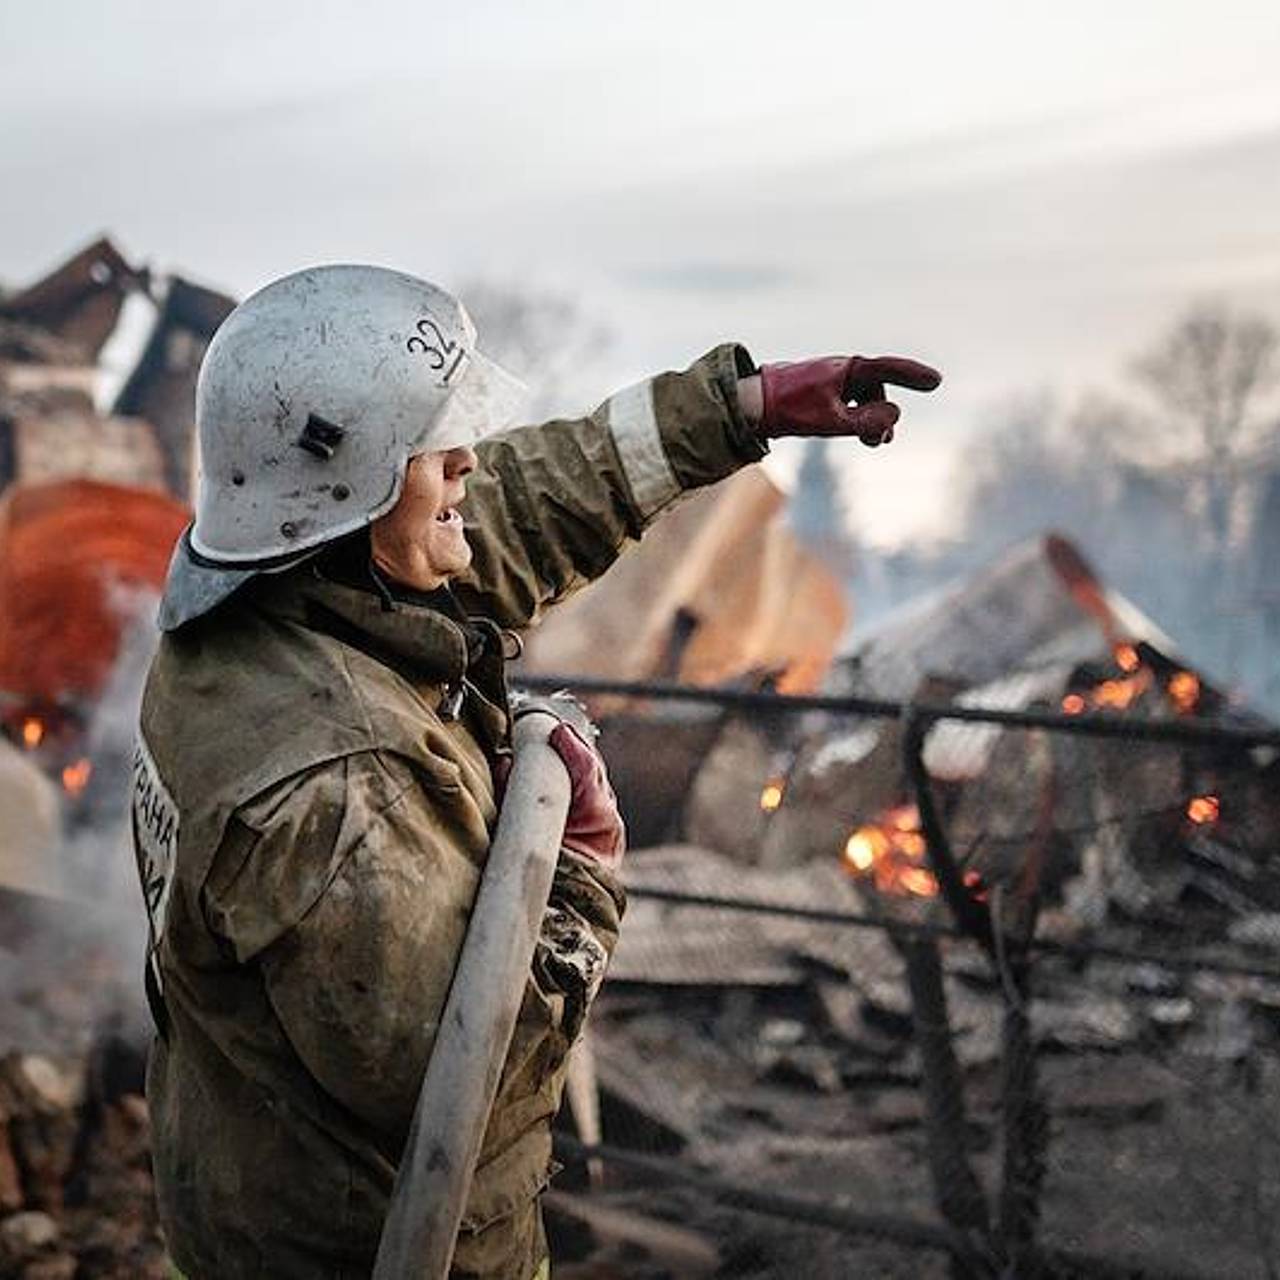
59, 339
81, 300
161, 388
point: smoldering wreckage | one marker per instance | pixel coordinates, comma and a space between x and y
790, 1020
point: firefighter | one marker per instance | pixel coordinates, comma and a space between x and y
314, 778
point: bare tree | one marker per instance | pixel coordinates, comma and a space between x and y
1210, 377
1211, 373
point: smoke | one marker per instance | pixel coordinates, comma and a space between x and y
545, 337
71, 961
1145, 525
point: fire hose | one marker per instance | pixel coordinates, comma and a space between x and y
480, 1012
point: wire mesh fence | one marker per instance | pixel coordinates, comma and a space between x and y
906, 995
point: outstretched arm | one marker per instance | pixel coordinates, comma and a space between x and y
550, 508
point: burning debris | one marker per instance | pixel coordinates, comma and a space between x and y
892, 854
81, 563
86, 529
1067, 833
772, 794
75, 1185
780, 1053
748, 1042
841, 791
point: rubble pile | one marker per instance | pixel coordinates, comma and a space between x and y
97, 369
75, 1183
76, 1196
778, 1053
770, 1049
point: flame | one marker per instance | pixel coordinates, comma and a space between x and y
75, 777
891, 853
771, 796
1115, 695
32, 732
918, 881
865, 847
1184, 691
1127, 658
1119, 694
1203, 810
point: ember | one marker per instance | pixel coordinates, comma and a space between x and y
1119, 694
1127, 658
771, 796
75, 777
891, 853
1203, 810
865, 847
32, 733
1184, 691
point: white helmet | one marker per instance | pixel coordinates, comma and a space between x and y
313, 395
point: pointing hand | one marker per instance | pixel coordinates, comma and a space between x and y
834, 396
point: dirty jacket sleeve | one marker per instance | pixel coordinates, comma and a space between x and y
549, 508
351, 889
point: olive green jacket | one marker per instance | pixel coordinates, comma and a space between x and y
313, 803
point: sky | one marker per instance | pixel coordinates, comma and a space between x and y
1025, 194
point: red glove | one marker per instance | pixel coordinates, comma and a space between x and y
594, 825
812, 397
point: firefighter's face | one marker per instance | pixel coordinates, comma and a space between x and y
421, 542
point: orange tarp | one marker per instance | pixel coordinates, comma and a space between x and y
73, 556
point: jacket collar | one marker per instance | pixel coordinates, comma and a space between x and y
415, 634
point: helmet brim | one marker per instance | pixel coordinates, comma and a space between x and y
193, 587
486, 401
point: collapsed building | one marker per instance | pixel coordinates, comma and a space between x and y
752, 1043
773, 945
98, 361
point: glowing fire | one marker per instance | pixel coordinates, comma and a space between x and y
1203, 810
1184, 691
891, 853
75, 777
1127, 658
1119, 694
771, 796
1113, 695
32, 733
918, 881
865, 847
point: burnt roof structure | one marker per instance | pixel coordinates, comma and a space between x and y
162, 386
80, 300
1039, 603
